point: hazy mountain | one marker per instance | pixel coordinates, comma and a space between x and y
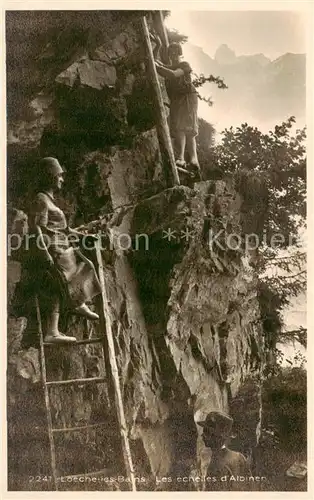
224, 55
260, 91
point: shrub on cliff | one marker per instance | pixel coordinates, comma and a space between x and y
285, 407
270, 166
269, 171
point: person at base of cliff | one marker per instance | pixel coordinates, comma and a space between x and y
183, 122
227, 466
54, 268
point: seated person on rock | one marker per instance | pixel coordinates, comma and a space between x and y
57, 271
183, 103
224, 462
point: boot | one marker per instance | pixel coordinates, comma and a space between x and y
83, 310
53, 336
195, 169
180, 163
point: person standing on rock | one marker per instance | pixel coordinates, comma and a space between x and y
230, 469
183, 103
57, 272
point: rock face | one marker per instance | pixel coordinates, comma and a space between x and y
181, 290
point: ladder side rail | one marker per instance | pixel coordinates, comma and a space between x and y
103, 339
162, 124
159, 26
46, 395
105, 348
115, 373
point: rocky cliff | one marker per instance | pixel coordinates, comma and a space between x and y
182, 296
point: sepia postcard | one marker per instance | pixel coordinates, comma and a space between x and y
156, 212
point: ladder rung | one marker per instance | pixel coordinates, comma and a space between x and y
93, 474
185, 171
76, 381
80, 428
94, 340
78, 342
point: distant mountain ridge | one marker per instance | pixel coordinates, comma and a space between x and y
259, 89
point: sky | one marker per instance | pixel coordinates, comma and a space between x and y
272, 33
246, 32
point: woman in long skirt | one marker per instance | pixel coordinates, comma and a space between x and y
183, 104
58, 273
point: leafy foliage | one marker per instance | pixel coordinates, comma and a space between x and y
205, 143
271, 306
269, 170
200, 80
175, 36
285, 404
299, 335
276, 162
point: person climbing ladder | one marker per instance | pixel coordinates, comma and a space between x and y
183, 98
55, 269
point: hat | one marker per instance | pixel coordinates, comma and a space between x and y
50, 165
218, 420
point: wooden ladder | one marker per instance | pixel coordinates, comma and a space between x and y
113, 378
161, 118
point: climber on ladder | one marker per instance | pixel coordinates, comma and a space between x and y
183, 103
57, 271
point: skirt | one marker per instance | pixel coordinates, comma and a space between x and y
183, 114
73, 280
80, 275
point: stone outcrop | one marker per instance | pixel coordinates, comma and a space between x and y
181, 290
